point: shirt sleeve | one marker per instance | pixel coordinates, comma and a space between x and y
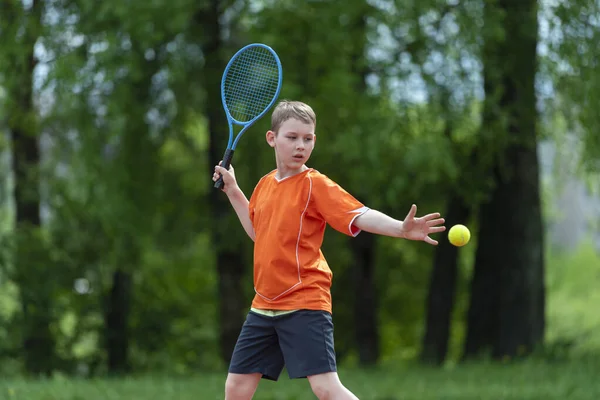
251, 209
337, 207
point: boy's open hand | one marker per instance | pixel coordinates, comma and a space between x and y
421, 227
229, 181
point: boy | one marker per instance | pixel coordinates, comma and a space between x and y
290, 320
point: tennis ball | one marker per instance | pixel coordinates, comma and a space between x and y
459, 235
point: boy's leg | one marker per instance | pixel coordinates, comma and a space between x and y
328, 386
306, 340
241, 386
256, 355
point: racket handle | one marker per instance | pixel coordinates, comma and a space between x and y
225, 164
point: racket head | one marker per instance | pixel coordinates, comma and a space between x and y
251, 83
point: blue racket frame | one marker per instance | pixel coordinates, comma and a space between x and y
232, 143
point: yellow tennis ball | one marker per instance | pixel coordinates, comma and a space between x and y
459, 235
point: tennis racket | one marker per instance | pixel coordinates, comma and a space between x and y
250, 86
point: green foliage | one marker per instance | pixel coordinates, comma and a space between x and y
573, 298
175, 326
571, 64
129, 198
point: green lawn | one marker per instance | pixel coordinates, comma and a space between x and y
530, 380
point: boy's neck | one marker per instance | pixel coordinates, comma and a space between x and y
286, 173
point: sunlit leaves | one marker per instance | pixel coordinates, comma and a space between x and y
571, 43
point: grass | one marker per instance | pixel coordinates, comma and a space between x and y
523, 381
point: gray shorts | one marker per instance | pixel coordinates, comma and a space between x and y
301, 341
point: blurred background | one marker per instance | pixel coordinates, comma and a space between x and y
118, 258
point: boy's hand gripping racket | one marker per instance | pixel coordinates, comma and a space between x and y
249, 87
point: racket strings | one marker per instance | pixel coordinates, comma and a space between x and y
251, 86
251, 83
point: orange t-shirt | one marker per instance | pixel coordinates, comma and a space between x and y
289, 218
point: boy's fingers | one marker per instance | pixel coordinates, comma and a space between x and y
431, 241
435, 222
221, 169
412, 212
437, 229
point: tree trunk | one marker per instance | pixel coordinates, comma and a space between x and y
442, 289
117, 322
230, 260
365, 304
482, 321
506, 314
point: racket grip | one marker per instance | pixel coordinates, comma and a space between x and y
225, 163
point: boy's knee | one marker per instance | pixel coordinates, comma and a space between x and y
323, 391
241, 387
327, 386
324, 387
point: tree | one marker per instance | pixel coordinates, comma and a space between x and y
363, 247
231, 263
113, 86
506, 313
21, 27
441, 294
424, 31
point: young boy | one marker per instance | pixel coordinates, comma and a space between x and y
290, 320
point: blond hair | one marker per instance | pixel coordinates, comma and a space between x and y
287, 109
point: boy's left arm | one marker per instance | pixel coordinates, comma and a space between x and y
412, 228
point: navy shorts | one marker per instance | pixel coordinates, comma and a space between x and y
301, 341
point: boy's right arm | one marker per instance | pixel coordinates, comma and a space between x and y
236, 197
238, 200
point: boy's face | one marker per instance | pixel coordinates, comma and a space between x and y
293, 143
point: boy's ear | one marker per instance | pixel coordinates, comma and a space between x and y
271, 138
